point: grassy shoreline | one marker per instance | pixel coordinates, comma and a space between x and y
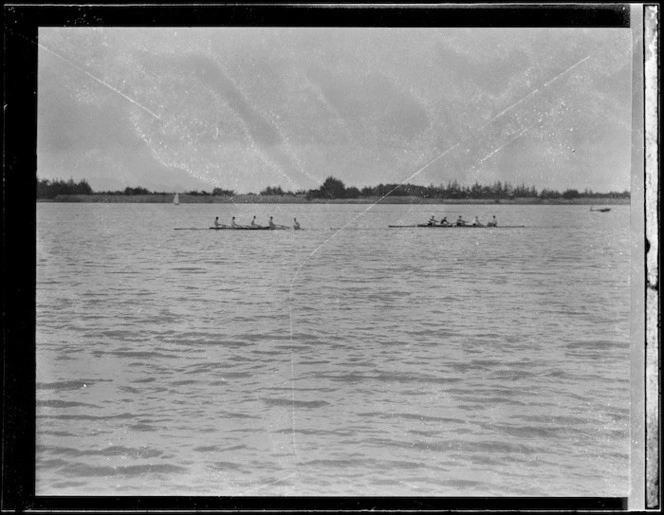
288, 199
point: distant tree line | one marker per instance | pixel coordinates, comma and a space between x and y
220, 192
334, 188
51, 189
143, 191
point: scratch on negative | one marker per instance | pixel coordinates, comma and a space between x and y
371, 206
506, 144
94, 77
499, 115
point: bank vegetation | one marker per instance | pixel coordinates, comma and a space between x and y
335, 191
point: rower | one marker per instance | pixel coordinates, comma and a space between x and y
253, 222
432, 220
233, 224
460, 221
493, 222
444, 222
216, 222
296, 224
271, 223
476, 222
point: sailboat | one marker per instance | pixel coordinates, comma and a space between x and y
176, 199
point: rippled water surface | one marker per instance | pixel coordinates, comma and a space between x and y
365, 361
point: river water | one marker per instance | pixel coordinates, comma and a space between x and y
344, 359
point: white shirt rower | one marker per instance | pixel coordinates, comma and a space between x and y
271, 223
233, 224
493, 222
476, 221
216, 222
253, 222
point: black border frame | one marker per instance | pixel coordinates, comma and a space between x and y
18, 260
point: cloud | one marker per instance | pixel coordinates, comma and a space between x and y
247, 108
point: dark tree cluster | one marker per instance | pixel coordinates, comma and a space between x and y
50, 189
220, 192
453, 190
273, 191
136, 191
331, 188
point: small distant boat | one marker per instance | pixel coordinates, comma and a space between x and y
602, 209
176, 199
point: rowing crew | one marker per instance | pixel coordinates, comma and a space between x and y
460, 222
271, 224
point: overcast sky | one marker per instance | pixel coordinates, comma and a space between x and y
243, 109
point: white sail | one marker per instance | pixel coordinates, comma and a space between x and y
176, 199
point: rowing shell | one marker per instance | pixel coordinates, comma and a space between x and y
260, 228
425, 226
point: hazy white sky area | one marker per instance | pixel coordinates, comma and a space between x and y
246, 108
